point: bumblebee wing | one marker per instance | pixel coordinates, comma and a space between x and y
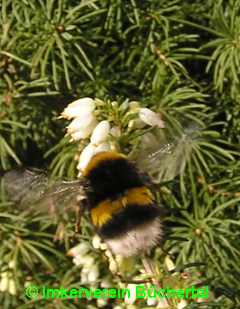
162, 155
25, 186
63, 196
31, 188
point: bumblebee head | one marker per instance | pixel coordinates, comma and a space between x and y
101, 158
109, 174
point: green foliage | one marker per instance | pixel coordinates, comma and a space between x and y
225, 58
179, 58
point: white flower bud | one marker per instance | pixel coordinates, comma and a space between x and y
182, 304
85, 270
115, 131
96, 242
81, 123
4, 281
12, 264
84, 278
77, 260
113, 266
101, 302
83, 132
151, 118
85, 260
124, 105
88, 103
108, 254
114, 104
100, 133
80, 249
78, 108
103, 246
169, 263
12, 287
85, 157
134, 106
93, 274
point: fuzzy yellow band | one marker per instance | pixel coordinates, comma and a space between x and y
105, 210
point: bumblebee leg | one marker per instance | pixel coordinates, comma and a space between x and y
78, 219
79, 210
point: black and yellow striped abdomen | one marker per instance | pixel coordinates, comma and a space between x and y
118, 198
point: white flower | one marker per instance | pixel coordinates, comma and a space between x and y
108, 254
115, 131
96, 242
101, 302
132, 298
169, 263
82, 127
151, 118
85, 260
4, 281
113, 266
93, 274
77, 260
79, 123
103, 246
12, 264
79, 107
80, 249
100, 133
182, 304
134, 106
84, 278
85, 157
12, 287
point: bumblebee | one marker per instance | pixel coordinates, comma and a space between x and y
118, 195
122, 207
